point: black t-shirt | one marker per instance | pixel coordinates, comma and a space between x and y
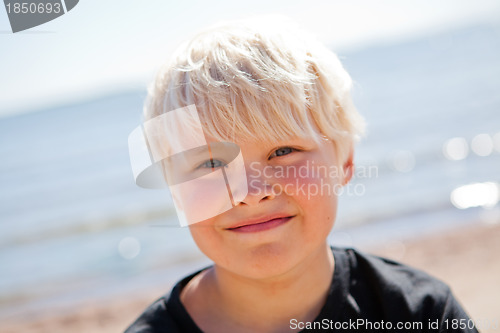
367, 294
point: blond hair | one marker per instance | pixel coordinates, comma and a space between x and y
251, 80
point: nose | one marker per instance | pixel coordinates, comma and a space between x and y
259, 186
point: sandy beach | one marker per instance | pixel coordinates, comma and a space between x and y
467, 259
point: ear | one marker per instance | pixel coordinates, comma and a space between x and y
348, 167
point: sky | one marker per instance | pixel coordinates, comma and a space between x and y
106, 47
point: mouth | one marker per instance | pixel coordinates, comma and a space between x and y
261, 224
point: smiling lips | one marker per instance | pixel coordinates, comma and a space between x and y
260, 224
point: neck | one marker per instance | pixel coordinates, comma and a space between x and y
267, 304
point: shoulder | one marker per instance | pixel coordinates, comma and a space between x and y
166, 314
382, 288
156, 318
392, 274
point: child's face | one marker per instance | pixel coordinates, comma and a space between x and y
294, 183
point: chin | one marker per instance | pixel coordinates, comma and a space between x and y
266, 261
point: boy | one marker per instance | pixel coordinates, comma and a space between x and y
244, 122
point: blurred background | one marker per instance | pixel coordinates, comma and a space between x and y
83, 248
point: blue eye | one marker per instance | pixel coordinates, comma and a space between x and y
282, 151
212, 164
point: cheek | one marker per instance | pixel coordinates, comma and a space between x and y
309, 181
209, 241
315, 187
202, 198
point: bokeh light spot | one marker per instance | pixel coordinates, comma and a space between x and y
475, 195
129, 247
403, 161
496, 142
455, 149
482, 145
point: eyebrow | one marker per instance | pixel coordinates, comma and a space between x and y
291, 142
200, 150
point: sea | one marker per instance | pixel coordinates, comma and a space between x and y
74, 226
